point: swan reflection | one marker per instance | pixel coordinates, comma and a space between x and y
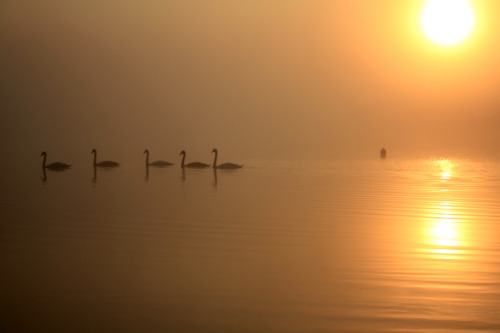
215, 178
183, 176
44, 177
94, 175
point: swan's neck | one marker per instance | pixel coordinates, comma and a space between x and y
183, 157
147, 158
95, 158
215, 160
43, 163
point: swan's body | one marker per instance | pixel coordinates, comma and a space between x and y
103, 164
224, 165
56, 166
195, 165
155, 163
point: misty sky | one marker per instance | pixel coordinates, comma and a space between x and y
258, 79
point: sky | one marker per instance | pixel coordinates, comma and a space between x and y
257, 79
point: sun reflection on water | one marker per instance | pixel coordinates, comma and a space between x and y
446, 169
444, 234
444, 231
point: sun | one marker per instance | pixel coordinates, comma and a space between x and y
447, 22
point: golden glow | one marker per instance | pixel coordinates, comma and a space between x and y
446, 169
444, 231
444, 228
445, 176
444, 235
447, 22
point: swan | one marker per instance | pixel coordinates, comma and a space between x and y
197, 165
224, 165
155, 163
103, 164
58, 166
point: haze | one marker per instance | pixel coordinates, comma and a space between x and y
256, 79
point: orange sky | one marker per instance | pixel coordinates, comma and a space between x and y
258, 79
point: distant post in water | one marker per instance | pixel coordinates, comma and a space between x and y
383, 153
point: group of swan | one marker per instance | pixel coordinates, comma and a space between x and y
199, 165
59, 166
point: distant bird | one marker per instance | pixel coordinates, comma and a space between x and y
195, 165
56, 166
224, 165
103, 164
155, 163
383, 153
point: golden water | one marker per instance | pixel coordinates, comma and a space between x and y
351, 246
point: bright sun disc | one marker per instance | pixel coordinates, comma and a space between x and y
447, 22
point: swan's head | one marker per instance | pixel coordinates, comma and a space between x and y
146, 151
43, 154
182, 153
214, 150
93, 151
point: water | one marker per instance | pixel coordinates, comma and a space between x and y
349, 246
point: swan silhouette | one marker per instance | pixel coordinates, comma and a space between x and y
103, 164
155, 163
224, 165
195, 165
56, 166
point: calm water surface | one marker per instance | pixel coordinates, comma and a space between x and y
352, 246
